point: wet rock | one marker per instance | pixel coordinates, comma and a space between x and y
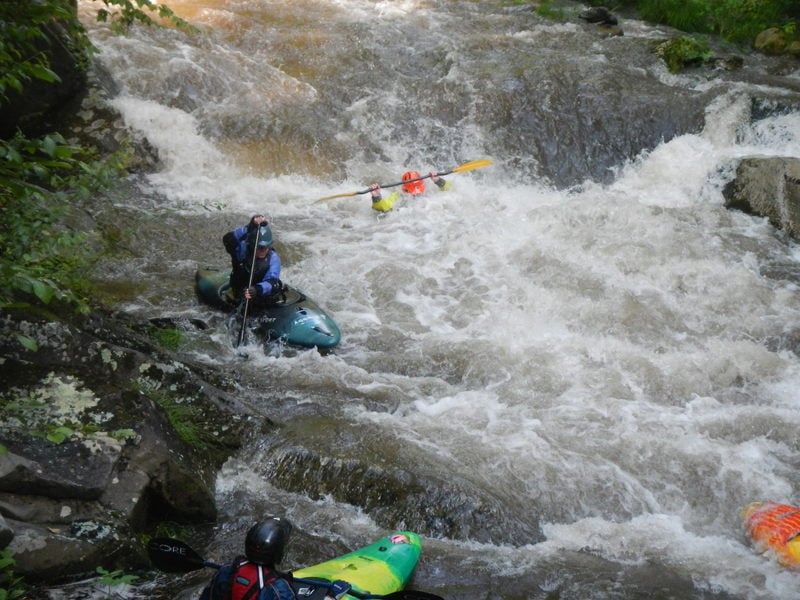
70, 470
400, 498
768, 187
727, 63
6, 533
106, 436
600, 15
763, 107
49, 553
771, 41
96, 124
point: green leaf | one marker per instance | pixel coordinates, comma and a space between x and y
43, 73
39, 171
122, 434
43, 291
27, 342
59, 434
63, 152
49, 146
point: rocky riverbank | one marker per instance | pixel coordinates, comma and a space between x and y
109, 434
106, 435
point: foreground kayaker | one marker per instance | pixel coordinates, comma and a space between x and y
256, 265
254, 576
414, 185
775, 530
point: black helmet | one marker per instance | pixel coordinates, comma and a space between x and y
266, 541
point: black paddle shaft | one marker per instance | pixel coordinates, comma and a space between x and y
388, 185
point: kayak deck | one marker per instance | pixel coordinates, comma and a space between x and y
292, 318
382, 567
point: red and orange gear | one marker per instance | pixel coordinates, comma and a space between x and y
775, 527
413, 187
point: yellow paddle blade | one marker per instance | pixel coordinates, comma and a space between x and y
474, 164
336, 196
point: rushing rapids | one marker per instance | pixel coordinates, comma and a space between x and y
577, 363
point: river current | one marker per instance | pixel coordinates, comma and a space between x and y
611, 360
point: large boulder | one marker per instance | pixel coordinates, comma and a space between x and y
104, 436
771, 41
768, 187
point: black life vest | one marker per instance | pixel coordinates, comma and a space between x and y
261, 267
240, 277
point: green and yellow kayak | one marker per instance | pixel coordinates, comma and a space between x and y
380, 568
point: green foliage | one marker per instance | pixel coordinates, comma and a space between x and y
168, 338
548, 11
734, 20
58, 433
185, 417
41, 184
109, 579
32, 415
182, 419
42, 180
681, 52
124, 13
11, 586
23, 40
171, 529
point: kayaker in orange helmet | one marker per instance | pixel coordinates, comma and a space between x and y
414, 185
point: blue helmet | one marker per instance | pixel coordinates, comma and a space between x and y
263, 235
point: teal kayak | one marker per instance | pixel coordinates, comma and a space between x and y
380, 568
292, 319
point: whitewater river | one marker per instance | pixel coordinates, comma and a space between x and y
589, 362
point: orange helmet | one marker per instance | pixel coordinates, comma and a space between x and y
415, 187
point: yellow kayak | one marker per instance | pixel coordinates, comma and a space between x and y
380, 568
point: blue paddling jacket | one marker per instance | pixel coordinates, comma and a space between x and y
266, 272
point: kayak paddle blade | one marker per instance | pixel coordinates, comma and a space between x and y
173, 556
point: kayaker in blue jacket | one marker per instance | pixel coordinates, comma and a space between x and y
256, 266
414, 186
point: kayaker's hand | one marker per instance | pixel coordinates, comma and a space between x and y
339, 588
277, 284
439, 181
375, 190
255, 221
251, 292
